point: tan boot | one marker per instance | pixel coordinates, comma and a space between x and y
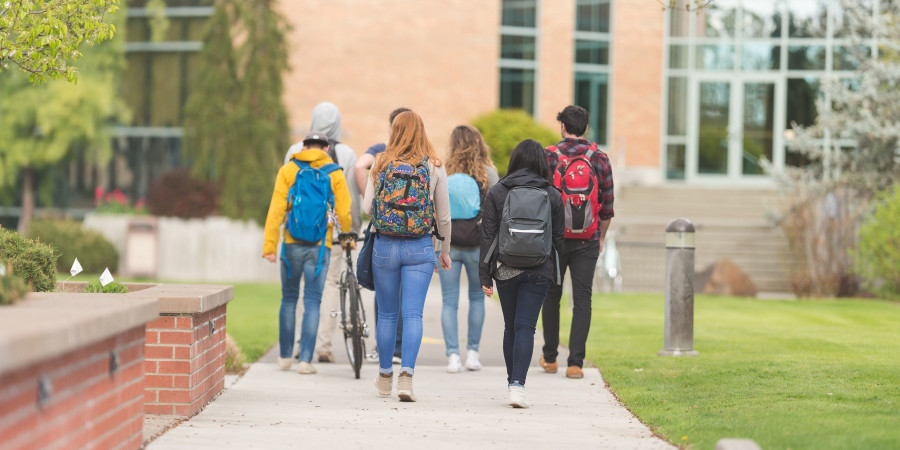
384, 383
548, 367
574, 372
404, 388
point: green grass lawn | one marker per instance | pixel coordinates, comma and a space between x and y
787, 374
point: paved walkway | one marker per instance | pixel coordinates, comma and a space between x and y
270, 408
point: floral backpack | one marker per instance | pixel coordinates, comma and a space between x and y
402, 205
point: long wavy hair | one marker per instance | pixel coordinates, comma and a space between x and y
408, 143
469, 154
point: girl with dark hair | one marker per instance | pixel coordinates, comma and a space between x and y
521, 289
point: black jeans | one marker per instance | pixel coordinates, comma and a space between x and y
521, 298
581, 256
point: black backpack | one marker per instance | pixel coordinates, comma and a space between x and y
525, 236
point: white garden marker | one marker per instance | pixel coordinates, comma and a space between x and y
106, 278
76, 268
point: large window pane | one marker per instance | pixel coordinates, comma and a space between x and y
717, 19
806, 57
519, 13
592, 15
759, 123
712, 142
591, 52
156, 85
801, 101
762, 19
592, 93
842, 20
807, 18
517, 47
517, 89
760, 56
849, 57
678, 108
675, 161
679, 22
715, 57
678, 56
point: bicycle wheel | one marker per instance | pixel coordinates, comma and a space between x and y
355, 339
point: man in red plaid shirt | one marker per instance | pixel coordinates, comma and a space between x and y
578, 253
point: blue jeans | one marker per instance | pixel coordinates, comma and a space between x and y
400, 265
450, 291
299, 261
521, 298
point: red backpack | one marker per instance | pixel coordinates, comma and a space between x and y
577, 181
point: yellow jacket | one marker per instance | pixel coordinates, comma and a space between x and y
283, 182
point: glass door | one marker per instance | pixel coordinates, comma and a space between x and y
733, 128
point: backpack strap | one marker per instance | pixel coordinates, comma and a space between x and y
330, 167
487, 257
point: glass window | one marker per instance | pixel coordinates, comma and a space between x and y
675, 161
678, 107
849, 57
715, 57
801, 101
591, 52
156, 86
807, 18
717, 19
679, 22
712, 145
810, 57
841, 21
592, 93
519, 13
759, 125
517, 89
761, 19
592, 15
678, 56
760, 56
517, 47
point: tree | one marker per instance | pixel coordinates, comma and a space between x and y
235, 122
42, 125
851, 152
40, 36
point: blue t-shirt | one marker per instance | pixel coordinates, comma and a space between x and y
376, 149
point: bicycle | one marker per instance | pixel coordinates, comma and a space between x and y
353, 313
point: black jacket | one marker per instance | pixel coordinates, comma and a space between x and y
492, 210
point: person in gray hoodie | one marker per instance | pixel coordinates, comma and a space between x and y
327, 118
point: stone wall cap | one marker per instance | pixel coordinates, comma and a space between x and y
50, 324
680, 225
187, 298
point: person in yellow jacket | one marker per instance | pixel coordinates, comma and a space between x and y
301, 260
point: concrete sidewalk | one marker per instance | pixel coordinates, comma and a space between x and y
270, 408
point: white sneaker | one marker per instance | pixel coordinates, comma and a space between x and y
472, 362
285, 363
453, 363
306, 368
518, 398
396, 360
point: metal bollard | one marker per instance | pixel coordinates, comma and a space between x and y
679, 331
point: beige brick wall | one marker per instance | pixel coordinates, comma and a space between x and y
637, 81
437, 57
556, 82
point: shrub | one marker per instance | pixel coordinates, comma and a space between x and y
115, 287
877, 256
33, 261
176, 194
12, 288
71, 241
503, 129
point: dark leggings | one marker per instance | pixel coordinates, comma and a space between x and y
521, 298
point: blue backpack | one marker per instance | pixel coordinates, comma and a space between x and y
466, 197
310, 205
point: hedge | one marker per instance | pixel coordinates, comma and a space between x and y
32, 260
503, 129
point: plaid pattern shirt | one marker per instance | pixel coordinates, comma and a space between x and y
600, 162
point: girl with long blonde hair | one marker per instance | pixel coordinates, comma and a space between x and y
406, 197
471, 175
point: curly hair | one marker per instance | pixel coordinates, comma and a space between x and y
469, 154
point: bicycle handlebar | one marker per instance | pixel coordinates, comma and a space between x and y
348, 236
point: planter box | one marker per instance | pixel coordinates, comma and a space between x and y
184, 360
72, 371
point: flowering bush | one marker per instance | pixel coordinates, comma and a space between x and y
116, 202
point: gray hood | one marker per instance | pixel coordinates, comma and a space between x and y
326, 118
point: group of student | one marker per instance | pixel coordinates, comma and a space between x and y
520, 232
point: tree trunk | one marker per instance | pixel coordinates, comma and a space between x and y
27, 200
